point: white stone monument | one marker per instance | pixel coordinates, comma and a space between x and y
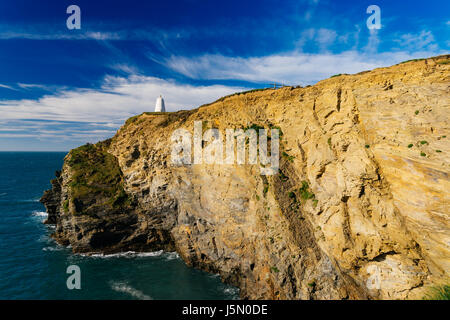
160, 107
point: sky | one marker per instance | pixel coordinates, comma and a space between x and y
61, 88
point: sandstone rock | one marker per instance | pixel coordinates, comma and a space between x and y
359, 209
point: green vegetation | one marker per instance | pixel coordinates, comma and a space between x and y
329, 141
274, 269
312, 283
305, 194
410, 145
438, 293
288, 157
235, 94
416, 112
438, 151
95, 174
444, 62
291, 195
423, 142
315, 202
279, 129
131, 120
367, 146
257, 197
254, 127
423, 154
336, 75
283, 177
266, 189
66, 206
412, 60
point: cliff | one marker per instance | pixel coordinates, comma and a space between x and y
358, 210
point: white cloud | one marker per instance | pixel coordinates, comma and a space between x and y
34, 33
118, 99
421, 41
88, 115
289, 68
7, 87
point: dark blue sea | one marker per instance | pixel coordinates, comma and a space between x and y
33, 266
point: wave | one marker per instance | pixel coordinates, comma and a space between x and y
233, 292
3, 194
40, 214
123, 287
59, 248
128, 254
171, 255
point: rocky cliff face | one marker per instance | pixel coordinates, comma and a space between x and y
358, 210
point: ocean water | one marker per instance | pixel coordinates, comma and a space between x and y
33, 266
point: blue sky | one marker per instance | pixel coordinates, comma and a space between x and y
61, 88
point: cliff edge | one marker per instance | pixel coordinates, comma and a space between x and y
358, 210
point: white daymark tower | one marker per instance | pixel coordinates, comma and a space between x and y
160, 107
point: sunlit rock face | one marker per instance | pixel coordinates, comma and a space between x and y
359, 208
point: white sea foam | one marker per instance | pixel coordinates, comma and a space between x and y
40, 214
233, 292
58, 248
125, 288
128, 254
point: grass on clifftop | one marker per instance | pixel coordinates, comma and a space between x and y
95, 174
438, 293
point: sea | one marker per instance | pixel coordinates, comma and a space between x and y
33, 266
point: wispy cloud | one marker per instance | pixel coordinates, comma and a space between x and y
36, 34
289, 68
420, 41
7, 87
95, 114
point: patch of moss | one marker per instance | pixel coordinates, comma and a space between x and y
423, 142
423, 154
410, 145
416, 112
288, 157
66, 206
312, 283
95, 175
305, 194
315, 202
266, 189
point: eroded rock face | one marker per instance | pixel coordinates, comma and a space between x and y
359, 209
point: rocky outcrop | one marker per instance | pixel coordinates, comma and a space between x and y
52, 200
358, 210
